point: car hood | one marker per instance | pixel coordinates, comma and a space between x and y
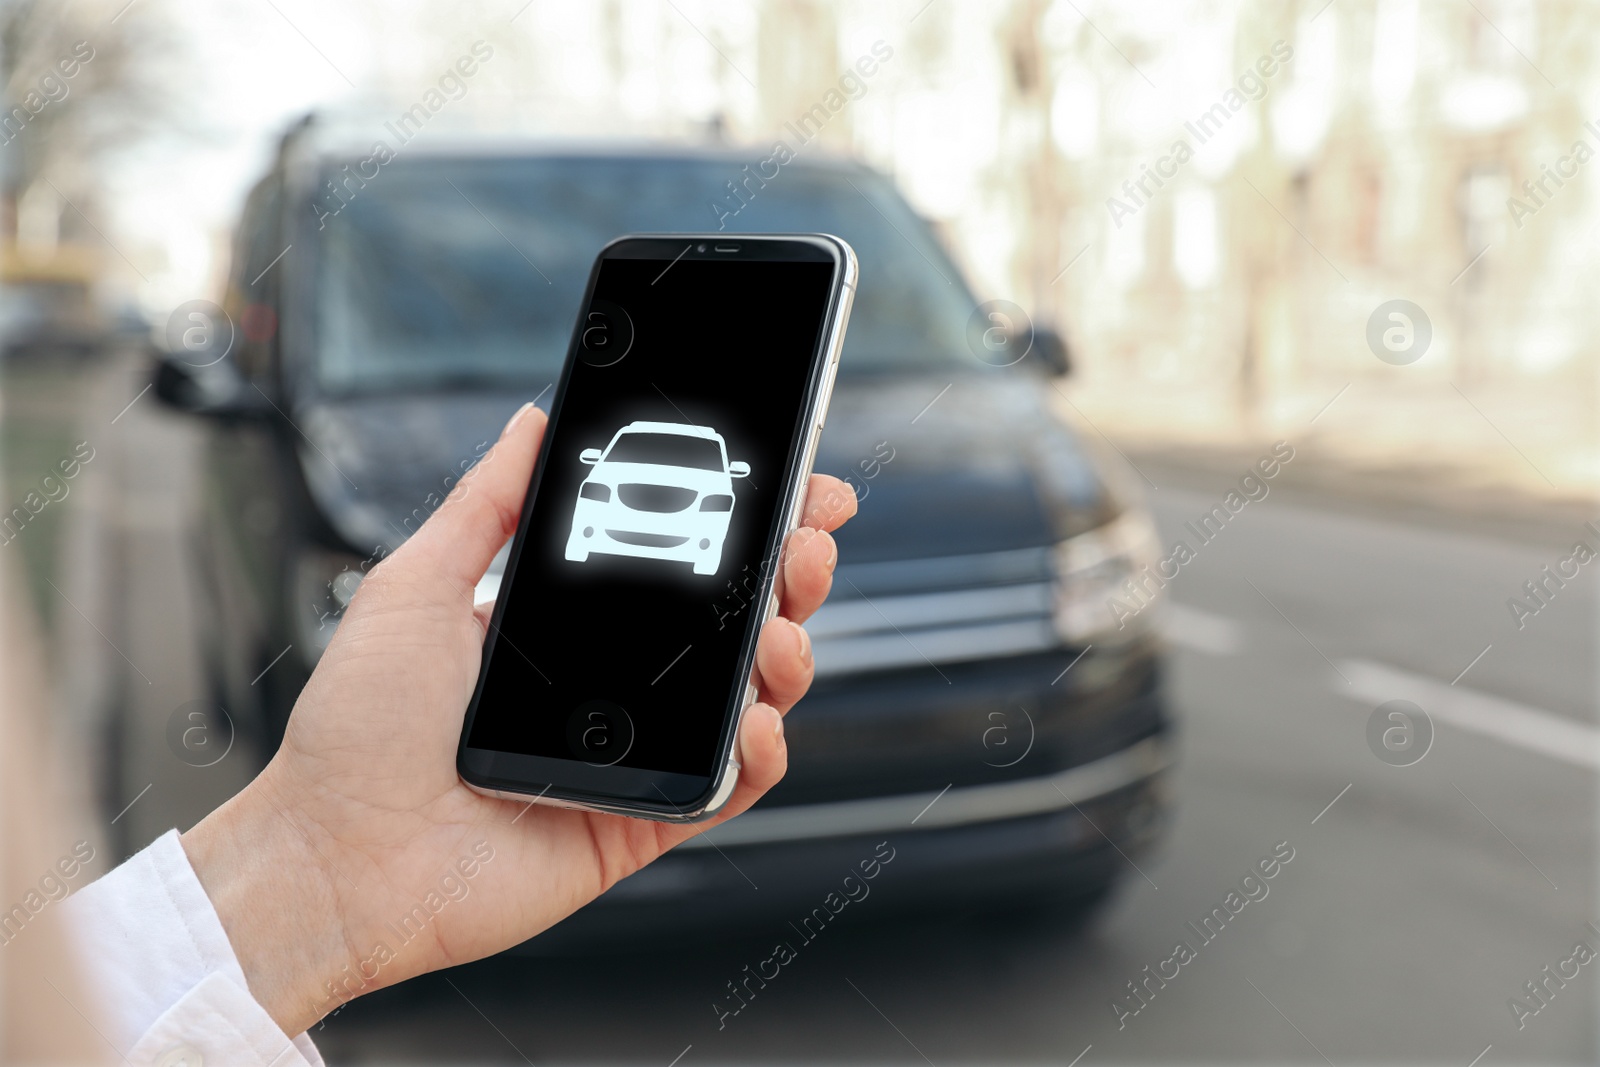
952, 465
943, 465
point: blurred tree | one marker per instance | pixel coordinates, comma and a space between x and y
1028, 96
116, 98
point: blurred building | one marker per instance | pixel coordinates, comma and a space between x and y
1343, 155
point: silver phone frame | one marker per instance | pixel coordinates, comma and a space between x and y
727, 777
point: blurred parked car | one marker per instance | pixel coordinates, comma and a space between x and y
47, 305
973, 704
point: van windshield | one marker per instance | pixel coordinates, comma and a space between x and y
467, 272
667, 449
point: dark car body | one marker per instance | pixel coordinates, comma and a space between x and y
975, 707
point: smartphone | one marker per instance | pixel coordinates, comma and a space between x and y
619, 657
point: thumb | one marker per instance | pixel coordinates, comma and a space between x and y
455, 546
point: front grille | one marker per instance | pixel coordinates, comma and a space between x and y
642, 496
951, 609
645, 540
920, 729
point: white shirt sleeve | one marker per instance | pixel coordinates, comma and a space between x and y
171, 989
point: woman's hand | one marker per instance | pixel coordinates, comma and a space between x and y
358, 858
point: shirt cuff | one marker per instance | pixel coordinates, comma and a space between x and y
170, 986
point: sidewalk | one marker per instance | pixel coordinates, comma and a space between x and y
1427, 454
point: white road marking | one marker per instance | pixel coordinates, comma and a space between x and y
1200, 630
1530, 728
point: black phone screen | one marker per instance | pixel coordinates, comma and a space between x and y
620, 630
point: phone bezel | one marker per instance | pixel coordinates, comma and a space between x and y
579, 784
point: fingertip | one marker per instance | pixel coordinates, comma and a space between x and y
763, 749
808, 574
456, 544
825, 552
522, 414
838, 505
798, 541
804, 641
783, 656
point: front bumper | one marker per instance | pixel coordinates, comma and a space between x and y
1057, 836
900, 756
610, 528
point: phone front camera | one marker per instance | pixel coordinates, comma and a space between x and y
700, 248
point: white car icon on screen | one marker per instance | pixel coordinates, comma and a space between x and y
659, 490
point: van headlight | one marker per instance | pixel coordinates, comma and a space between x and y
1097, 574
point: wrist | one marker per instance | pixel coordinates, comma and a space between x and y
279, 902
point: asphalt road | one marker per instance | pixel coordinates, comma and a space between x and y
1419, 899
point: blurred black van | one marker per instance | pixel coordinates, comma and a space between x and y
975, 704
